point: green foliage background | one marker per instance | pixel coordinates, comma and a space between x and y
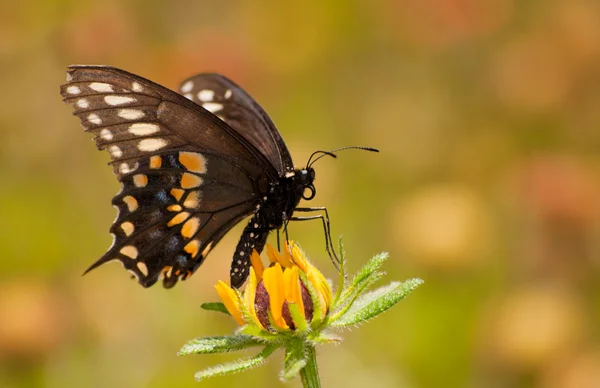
487, 185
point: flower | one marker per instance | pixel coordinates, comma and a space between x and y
290, 305
274, 293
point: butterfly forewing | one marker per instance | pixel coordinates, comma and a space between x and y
232, 104
187, 177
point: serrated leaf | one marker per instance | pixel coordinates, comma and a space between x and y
219, 344
236, 366
363, 278
215, 306
343, 278
372, 266
258, 332
352, 294
325, 337
375, 302
294, 360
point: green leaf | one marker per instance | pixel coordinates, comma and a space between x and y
363, 278
236, 366
255, 331
375, 302
215, 306
219, 344
369, 269
314, 296
324, 337
298, 317
343, 274
294, 360
352, 294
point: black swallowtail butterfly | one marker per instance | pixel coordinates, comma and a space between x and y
191, 165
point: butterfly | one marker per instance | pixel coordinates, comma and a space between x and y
191, 166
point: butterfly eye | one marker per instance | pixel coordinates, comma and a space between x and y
312, 192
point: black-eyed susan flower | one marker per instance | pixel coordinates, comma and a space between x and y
289, 304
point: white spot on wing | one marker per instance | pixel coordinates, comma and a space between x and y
151, 144
290, 174
124, 168
69, 77
83, 103
206, 95
118, 100
115, 151
101, 87
106, 134
131, 114
212, 106
143, 268
136, 87
73, 89
143, 129
207, 249
94, 119
187, 87
228, 94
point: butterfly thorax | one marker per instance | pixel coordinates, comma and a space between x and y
275, 208
283, 196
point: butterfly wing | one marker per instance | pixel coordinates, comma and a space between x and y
229, 102
186, 176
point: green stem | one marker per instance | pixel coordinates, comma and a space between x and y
310, 373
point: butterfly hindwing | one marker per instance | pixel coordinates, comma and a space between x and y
232, 104
186, 176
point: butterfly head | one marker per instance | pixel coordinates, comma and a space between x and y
306, 177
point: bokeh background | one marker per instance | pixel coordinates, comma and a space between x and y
487, 114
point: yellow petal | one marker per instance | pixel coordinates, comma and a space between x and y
293, 293
299, 259
273, 281
318, 281
250, 295
276, 257
286, 257
231, 301
257, 264
326, 288
273, 254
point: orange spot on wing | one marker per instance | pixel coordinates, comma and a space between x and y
128, 228
193, 161
129, 251
167, 270
189, 181
132, 203
174, 208
178, 219
192, 247
190, 227
177, 193
140, 180
192, 201
155, 162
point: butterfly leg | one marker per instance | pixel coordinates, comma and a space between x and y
326, 228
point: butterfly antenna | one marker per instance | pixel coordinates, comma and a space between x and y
332, 153
319, 152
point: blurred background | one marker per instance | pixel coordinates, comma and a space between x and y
487, 185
